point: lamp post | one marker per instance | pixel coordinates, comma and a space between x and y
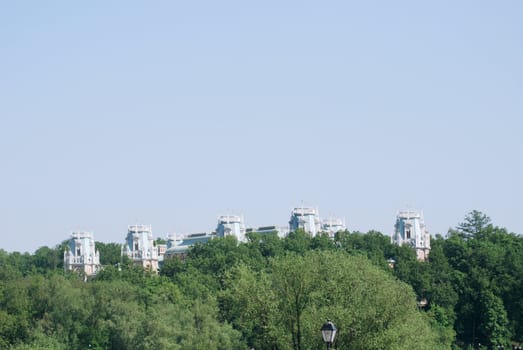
328, 332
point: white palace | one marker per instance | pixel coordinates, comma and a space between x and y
140, 247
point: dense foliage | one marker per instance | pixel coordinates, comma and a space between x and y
275, 294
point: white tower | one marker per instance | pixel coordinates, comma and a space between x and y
82, 255
139, 247
306, 219
410, 229
231, 225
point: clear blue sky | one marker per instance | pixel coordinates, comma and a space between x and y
171, 113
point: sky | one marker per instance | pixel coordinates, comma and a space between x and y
172, 113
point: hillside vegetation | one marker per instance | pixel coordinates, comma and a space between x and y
275, 294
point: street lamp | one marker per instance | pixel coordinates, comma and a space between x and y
328, 332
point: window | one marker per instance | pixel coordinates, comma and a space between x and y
408, 234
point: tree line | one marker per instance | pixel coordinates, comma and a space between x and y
272, 293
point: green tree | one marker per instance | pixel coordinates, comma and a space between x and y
297, 241
159, 240
377, 247
493, 325
15, 311
475, 223
282, 308
45, 258
487, 269
267, 244
293, 280
110, 253
249, 303
171, 266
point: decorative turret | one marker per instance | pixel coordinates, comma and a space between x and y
231, 225
306, 219
410, 229
81, 255
139, 247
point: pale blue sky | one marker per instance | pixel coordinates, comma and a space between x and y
172, 113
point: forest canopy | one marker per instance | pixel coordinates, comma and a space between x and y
272, 293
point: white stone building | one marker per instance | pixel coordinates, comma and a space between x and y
139, 247
81, 255
410, 229
306, 219
231, 225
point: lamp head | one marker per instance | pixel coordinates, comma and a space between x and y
328, 332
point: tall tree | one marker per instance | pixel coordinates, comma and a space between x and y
110, 253
371, 308
475, 222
